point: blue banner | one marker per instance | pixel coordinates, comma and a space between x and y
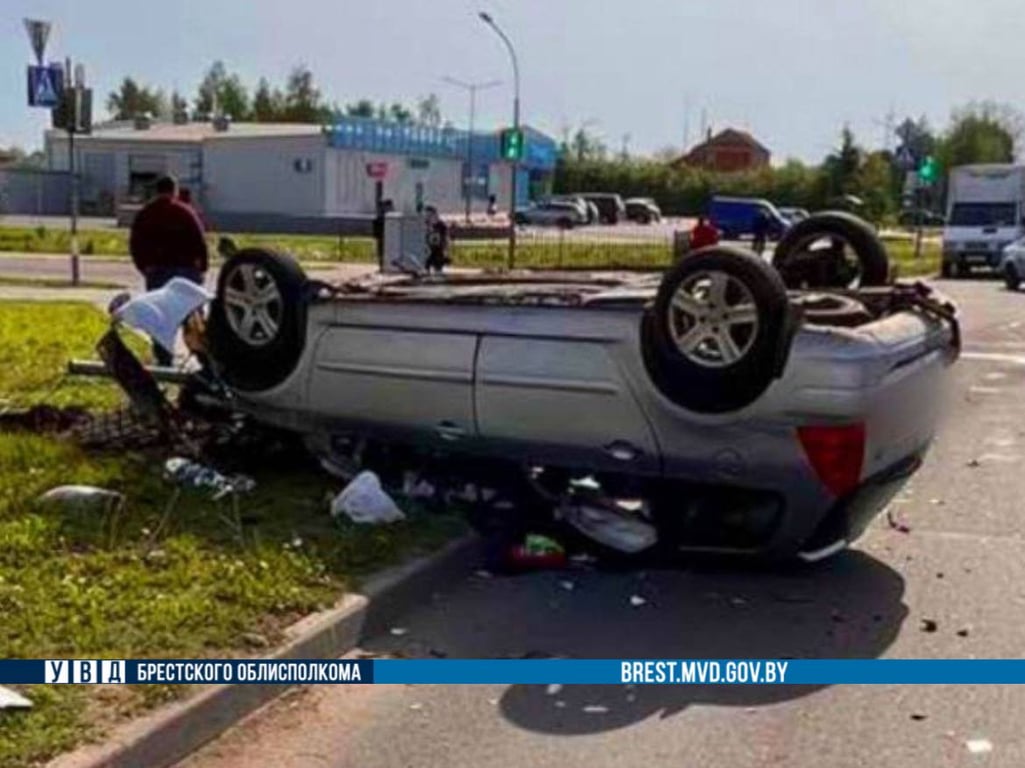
515, 671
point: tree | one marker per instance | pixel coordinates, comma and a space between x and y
179, 106
841, 166
585, 146
268, 105
361, 108
399, 113
302, 98
222, 93
873, 183
917, 138
428, 110
131, 100
983, 132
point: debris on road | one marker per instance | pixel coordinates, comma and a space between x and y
537, 552
567, 585
398, 631
929, 625
553, 690
364, 501
596, 709
416, 487
979, 746
637, 601
255, 640
973, 464
896, 524
13, 700
918, 717
963, 632
191, 474
610, 525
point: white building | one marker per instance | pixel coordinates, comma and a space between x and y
295, 170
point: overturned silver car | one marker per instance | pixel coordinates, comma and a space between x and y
741, 416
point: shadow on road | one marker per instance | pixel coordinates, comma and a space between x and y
850, 607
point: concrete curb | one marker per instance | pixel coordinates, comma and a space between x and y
170, 734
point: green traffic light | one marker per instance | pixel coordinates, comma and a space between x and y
928, 170
512, 144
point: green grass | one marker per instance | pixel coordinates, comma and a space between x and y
53, 282
902, 257
101, 582
37, 340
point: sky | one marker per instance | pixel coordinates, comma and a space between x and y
645, 72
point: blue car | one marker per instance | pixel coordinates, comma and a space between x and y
735, 216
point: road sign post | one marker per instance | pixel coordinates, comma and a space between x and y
928, 173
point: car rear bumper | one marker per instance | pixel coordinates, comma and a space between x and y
850, 516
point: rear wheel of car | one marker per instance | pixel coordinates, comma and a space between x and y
257, 322
712, 341
1011, 277
831, 250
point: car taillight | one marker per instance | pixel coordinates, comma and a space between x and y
837, 455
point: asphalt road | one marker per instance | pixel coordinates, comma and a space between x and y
960, 566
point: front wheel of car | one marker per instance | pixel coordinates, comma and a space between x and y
1011, 277
713, 340
257, 325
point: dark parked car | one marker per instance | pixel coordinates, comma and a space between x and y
611, 208
735, 216
643, 210
911, 217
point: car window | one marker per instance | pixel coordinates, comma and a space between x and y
983, 215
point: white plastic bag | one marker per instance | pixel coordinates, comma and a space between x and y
160, 313
82, 497
364, 501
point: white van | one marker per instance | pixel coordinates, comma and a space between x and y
985, 210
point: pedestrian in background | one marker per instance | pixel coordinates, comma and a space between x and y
185, 195
168, 241
437, 241
704, 234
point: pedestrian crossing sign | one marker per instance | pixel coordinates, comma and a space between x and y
45, 86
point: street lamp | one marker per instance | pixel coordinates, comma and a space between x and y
486, 18
471, 88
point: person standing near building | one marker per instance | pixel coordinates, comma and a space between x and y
185, 195
168, 241
760, 229
437, 241
704, 234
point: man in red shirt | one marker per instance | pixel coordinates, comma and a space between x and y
168, 241
703, 235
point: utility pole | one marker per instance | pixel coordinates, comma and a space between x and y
470, 183
515, 166
74, 106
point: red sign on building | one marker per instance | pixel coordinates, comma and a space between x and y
377, 170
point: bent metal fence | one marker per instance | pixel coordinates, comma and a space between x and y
586, 248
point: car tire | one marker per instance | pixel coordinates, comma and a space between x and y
1011, 277
712, 340
873, 262
257, 326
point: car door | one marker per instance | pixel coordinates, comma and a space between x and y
397, 379
564, 402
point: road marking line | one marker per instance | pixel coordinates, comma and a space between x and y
994, 357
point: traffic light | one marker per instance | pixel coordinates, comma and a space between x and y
512, 144
928, 171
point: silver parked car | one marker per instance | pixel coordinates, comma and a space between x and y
708, 403
553, 213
